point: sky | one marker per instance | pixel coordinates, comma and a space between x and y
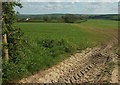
72, 7
69, 0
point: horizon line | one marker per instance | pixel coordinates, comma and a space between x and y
69, 13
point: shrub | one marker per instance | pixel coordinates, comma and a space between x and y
12, 72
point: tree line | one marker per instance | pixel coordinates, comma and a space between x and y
67, 18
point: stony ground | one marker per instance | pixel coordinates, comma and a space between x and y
115, 71
87, 66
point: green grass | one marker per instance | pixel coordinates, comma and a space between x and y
39, 20
50, 43
106, 24
80, 21
78, 36
75, 34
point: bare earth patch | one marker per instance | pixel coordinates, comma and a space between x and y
114, 78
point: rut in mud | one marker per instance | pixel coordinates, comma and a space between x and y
86, 66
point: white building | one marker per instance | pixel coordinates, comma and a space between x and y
27, 19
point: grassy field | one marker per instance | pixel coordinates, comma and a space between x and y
87, 34
50, 43
73, 37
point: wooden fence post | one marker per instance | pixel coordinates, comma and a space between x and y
4, 40
5, 50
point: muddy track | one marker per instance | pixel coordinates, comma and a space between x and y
86, 66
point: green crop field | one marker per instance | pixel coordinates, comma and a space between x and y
87, 34
50, 43
77, 36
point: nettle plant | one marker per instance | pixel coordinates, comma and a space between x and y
11, 35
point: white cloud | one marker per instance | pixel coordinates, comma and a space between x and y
65, 7
104, 7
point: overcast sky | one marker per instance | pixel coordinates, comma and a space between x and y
94, 7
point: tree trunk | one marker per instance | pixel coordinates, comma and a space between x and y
5, 50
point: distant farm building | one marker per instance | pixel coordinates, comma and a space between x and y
27, 19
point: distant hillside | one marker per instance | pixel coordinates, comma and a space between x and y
108, 17
40, 16
21, 16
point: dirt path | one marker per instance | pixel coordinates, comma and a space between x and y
86, 66
114, 77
